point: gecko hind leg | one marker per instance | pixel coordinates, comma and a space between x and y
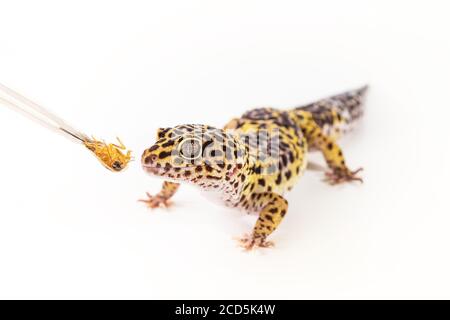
162, 198
336, 176
339, 172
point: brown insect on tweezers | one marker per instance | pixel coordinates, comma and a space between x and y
114, 157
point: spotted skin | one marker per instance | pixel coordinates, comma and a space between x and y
255, 159
273, 211
338, 114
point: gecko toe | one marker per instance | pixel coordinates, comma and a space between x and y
341, 176
153, 202
249, 242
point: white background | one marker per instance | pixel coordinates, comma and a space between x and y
71, 229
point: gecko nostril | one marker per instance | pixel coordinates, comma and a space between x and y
150, 159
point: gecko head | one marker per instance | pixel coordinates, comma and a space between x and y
200, 154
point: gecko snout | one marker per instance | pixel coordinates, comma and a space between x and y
149, 158
149, 162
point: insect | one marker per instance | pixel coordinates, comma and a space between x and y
111, 155
255, 159
114, 157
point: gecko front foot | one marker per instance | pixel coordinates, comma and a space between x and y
156, 201
339, 175
249, 242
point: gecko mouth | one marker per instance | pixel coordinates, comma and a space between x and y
153, 169
158, 170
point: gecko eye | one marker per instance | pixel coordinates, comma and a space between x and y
190, 149
117, 165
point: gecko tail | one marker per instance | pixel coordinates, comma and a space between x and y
339, 113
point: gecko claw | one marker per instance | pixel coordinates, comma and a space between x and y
338, 176
155, 201
249, 242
